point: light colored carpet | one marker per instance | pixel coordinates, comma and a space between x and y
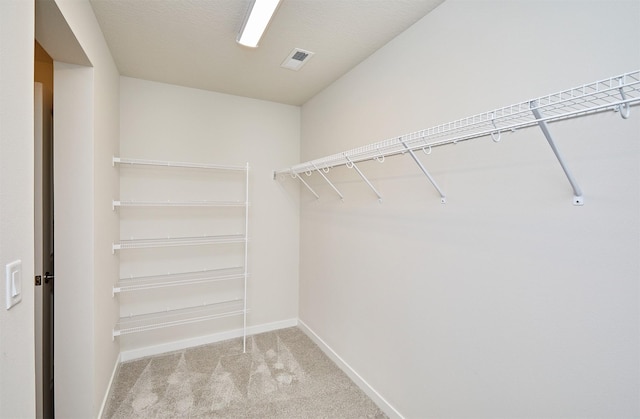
282, 375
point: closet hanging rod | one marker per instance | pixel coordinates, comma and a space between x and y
617, 93
162, 163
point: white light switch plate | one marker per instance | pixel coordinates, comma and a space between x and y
13, 279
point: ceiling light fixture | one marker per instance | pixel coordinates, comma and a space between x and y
256, 21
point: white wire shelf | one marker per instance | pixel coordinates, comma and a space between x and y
177, 241
185, 204
183, 316
615, 93
142, 283
178, 317
163, 163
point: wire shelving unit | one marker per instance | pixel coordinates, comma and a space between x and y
617, 93
188, 315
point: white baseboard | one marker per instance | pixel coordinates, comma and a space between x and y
108, 392
351, 373
203, 340
269, 327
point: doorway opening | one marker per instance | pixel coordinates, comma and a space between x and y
43, 231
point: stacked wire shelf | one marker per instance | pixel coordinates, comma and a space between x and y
221, 306
178, 317
187, 204
177, 241
177, 279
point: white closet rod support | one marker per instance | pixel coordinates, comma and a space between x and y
295, 175
352, 165
443, 198
577, 192
328, 181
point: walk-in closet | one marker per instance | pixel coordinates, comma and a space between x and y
372, 208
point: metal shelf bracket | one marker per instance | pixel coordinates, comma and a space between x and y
328, 181
351, 165
577, 192
295, 175
443, 198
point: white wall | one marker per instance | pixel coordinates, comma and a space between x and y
17, 363
508, 301
86, 136
166, 122
74, 259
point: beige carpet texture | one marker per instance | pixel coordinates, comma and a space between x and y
283, 374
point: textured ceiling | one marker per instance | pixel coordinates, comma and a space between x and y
192, 42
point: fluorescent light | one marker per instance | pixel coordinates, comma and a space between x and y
256, 22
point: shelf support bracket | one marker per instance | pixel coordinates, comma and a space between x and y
577, 192
295, 175
351, 165
328, 181
443, 198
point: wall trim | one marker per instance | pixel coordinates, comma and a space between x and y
116, 367
383, 404
203, 340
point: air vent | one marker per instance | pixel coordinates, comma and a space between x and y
296, 59
300, 56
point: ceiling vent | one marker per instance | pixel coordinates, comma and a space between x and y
296, 59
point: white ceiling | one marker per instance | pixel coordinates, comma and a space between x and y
192, 42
